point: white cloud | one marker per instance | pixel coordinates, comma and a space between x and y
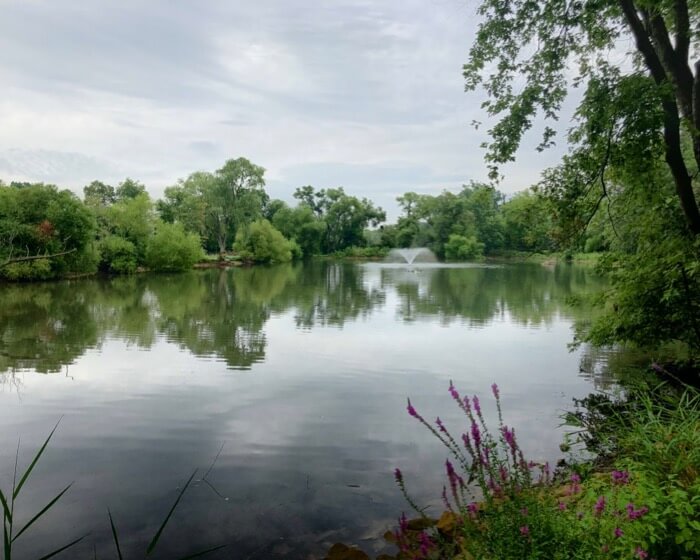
160, 89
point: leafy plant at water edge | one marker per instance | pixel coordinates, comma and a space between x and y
656, 436
156, 538
9, 499
501, 506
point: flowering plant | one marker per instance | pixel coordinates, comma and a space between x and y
498, 505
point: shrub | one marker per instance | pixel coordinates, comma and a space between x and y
118, 255
461, 248
172, 248
516, 510
262, 242
39, 269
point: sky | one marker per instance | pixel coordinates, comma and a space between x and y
364, 94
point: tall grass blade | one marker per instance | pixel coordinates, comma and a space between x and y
114, 534
26, 474
6, 542
42, 512
154, 542
203, 552
59, 550
7, 511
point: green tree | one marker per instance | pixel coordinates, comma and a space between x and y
44, 232
301, 225
483, 204
234, 198
576, 43
261, 242
185, 204
346, 217
461, 248
171, 248
118, 255
134, 220
99, 194
529, 224
128, 189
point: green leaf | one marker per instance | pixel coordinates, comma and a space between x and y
154, 542
42, 512
203, 552
6, 542
26, 474
7, 512
59, 550
114, 534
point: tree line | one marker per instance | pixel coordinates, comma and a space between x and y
47, 233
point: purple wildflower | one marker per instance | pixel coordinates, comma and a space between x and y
476, 434
633, 513
472, 507
398, 475
599, 505
441, 425
403, 523
453, 392
509, 437
641, 553
503, 473
524, 530
496, 392
575, 478
618, 532
425, 543
561, 506
465, 439
620, 477
445, 500
477, 405
411, 410
467, 405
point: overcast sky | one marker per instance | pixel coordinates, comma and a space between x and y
365, 94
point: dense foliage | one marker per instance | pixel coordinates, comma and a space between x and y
628, 185
44, 232
261, 242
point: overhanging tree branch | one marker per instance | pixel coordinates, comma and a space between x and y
13, 260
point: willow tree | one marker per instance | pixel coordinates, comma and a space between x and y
529, 53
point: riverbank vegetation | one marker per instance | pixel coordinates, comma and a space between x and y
628, 490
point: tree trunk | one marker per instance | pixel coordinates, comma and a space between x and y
670, 66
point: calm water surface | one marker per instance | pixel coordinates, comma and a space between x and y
301, 373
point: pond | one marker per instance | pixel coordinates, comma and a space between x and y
285, 386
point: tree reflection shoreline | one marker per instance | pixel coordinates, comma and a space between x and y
223, 313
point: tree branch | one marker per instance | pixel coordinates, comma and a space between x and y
35, 257
680, 8
643, 42
676, 67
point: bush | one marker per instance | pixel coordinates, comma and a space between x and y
118, 255
39, 269
261, 242
461, 248
172, 248
519, 511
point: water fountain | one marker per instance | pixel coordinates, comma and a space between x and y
411, 255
